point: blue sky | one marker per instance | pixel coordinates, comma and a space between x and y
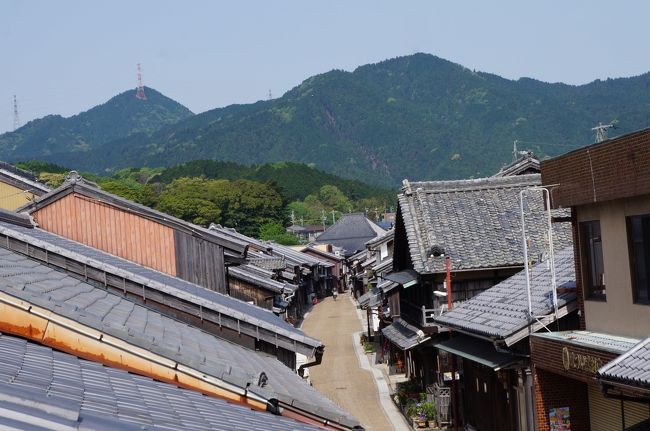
64, 56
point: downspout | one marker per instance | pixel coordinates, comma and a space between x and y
318, 355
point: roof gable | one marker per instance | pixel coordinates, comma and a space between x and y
351, 232
475, 222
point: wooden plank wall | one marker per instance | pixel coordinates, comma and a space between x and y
108, 228
200, 262
246, 291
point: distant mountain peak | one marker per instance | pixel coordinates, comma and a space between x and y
121, 116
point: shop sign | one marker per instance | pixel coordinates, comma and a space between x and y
573, 361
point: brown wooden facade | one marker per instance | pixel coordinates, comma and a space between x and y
121, 228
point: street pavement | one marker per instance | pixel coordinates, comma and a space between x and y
345, 375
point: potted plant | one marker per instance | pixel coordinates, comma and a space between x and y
422, 412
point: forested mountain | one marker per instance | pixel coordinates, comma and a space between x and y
123, 115
418, 117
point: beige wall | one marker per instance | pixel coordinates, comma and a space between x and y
12, 197
618, 315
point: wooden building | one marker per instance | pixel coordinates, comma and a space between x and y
477, 225
18, 187
81, 211
114, 313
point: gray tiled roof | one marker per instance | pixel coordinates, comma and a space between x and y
257, 277
157, 280
290, 255
476, 222
49, 387
594, 340
631, 368
388, 236
404, 335
43, 386
525, 164
351, 232
502, 310
371, 298
138, 325
385, 266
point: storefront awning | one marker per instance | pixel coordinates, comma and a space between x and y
403, 335
477, 350
406, 278
370, 299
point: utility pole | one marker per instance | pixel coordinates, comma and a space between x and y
333, 217
16, 118
601, 131
293, 217
323, 218
270, 95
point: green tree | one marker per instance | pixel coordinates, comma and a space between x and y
242, 204
275, 232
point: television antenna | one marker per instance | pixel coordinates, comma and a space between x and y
601, 131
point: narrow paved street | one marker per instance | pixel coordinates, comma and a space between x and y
339, 376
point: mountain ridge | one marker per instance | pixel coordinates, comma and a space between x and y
418, 116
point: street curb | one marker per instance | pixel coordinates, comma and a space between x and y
395, 417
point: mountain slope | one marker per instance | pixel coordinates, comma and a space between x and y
418, 117
122, 116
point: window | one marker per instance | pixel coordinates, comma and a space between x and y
638, 229
592, 257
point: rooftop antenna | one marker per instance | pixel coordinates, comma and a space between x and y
16, 118
515, 153
601, 131
139, 92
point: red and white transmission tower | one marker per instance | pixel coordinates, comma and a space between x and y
139, 92
16, 118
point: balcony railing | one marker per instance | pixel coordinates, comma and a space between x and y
421, 315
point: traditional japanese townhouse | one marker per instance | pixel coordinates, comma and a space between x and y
350, 233
44, 388
306, 275
380, 251
607, 187
18, 187
475, 226
336, 276
81, 211
105, 309
491, 342
222, 315
357, 276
